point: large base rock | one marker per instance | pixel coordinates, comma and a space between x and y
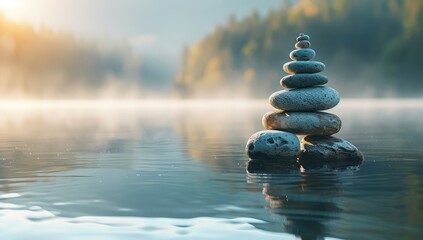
328, 152
273, 145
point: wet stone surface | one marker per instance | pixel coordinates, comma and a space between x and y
270, 144
328, 152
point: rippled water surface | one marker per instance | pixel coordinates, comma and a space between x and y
177, 171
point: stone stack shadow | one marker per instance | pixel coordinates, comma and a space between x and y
298, 112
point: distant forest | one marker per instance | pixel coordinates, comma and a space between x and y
40, 63
370, 48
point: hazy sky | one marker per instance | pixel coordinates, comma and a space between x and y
152, 25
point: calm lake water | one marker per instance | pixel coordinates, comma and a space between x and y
177, 171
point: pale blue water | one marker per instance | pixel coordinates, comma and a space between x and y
178, 172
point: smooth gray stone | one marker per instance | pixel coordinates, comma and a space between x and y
303, 123
303, 37
328, 152
305, 99
273, 145
303, 67
303, 80
304, 54
303, 44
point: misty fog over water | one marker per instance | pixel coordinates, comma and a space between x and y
163, 170
128, 119
367, 48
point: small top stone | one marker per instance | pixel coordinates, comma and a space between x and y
303, 37
303, 44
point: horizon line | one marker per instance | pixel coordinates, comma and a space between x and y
169, 102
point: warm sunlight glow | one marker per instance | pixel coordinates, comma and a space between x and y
9, 7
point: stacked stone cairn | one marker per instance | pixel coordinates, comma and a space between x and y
299, 113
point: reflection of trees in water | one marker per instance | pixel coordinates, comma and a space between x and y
36, 143
217, 136
308, 202
413, 200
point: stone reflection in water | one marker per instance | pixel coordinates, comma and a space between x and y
272, 166
205, 130
307, 203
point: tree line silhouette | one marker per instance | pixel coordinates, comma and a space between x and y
370, 48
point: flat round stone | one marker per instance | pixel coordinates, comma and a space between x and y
303, 44
273, 145
304, 54
303, 67
328, 152
305, 99
303, 123
303, 37
303, 80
